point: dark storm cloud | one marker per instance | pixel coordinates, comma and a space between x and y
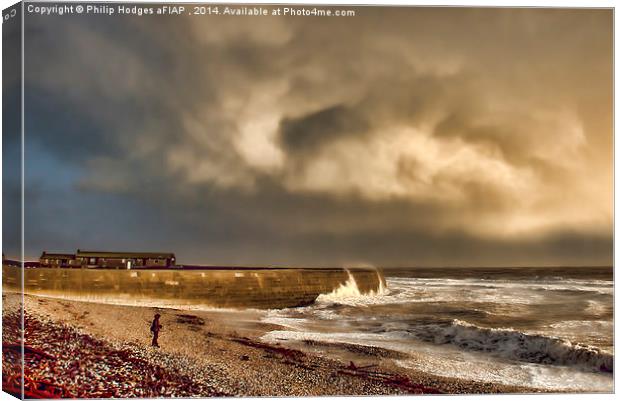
307, 133
400, 136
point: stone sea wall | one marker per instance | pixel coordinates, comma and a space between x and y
261, 288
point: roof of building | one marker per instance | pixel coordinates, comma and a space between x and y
125, 255
57, 255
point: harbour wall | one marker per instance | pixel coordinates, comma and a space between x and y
260, 289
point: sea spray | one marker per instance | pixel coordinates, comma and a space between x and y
383, 290
349, 292
348, 289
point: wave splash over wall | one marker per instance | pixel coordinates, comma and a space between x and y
349, 292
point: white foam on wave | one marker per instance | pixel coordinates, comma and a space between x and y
506, 343
410, 290
292, 323
522, 292
348, 293
604, 287
447, 362
349, 338
597, 308
560, 378
514, 345
596, 332
583, 325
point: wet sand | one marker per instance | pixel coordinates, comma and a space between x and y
203, 353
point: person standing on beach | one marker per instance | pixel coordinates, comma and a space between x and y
155, 327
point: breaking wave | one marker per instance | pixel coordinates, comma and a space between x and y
512, 344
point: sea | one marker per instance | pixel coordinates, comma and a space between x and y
548, 328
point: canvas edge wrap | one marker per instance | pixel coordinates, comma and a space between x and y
12, 178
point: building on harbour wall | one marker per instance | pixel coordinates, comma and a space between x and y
107, 260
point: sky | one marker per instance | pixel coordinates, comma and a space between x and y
398, 137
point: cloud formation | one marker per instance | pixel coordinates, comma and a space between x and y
438, 136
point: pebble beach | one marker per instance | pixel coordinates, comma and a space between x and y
93, 350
